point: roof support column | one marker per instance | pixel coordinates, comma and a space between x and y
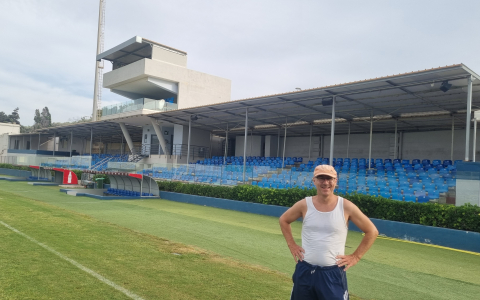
310, 143
226, 147
278, 143
396, 140
121, 147
469, 117
188, 143
23, 143
127, 137
245, 144
474, 138
160, 137
453, 131
332, 131
400, 145
71, 142
210, 151
54, 141
91, 140
370, 146
30, 146
322, 141
38, 146
251, 141
284, 143
348, 138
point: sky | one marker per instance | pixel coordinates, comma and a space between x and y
48, 47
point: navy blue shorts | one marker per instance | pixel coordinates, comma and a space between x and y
322, 283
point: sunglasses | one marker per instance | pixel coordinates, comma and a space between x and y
325, 178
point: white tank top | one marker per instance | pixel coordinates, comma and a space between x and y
324, 234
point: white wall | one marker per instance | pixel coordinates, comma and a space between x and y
198, 137
382, 145
271, 144
298, 147
422, 145
217, 149
9, 128
64, 145
253, 149
162, 54
437, 145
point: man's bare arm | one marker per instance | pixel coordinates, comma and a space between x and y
365, 225
292, 214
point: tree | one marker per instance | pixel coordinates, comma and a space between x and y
3, 117
14, 116
42, 120
46, 118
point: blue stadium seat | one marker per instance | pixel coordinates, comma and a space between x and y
397, 196
423, 199
410, 198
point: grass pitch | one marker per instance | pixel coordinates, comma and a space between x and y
230, 255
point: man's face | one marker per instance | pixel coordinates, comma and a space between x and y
324, 184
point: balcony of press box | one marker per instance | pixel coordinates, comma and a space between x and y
143, 69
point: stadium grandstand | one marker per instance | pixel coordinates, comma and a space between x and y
400, 136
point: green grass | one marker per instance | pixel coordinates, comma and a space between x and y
390, 270
141, 263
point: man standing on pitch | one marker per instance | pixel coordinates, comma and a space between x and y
321, 261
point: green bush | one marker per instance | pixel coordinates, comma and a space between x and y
78, 173
9, 166
106, 180
466, 217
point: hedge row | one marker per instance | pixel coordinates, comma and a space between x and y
10, 166
466, 217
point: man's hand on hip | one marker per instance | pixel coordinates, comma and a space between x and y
297, 252
347, 260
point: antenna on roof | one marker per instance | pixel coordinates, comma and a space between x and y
97, 90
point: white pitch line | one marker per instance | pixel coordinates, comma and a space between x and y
76, 264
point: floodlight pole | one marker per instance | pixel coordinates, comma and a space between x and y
469, 117
332, 131
370, 147
98, 64
284, 143
453, 131
245, 144
474, 138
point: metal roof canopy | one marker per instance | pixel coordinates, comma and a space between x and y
413, 99
108, 132
134, 49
